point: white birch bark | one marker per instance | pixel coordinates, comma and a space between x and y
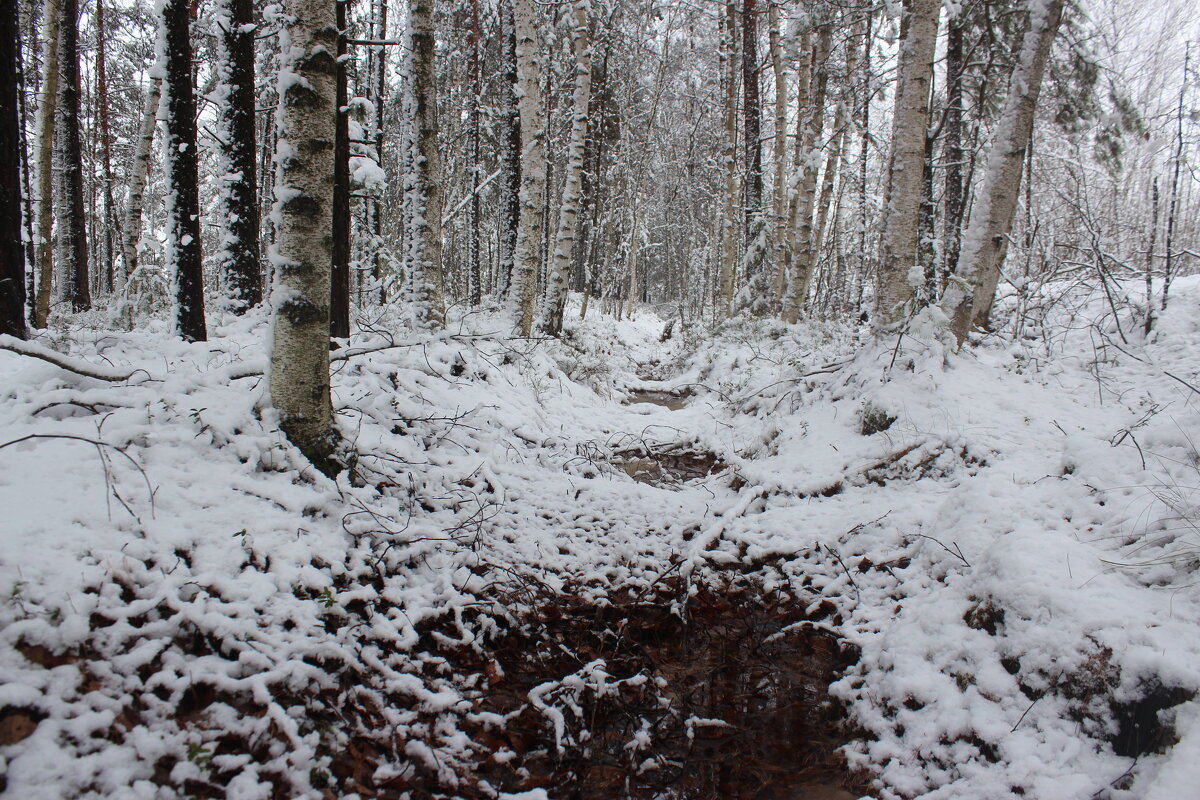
131, 230
301, 256
568, 215
527, 254
910, 120
779, 149
808, 162
968, 300
44, 144
427, 278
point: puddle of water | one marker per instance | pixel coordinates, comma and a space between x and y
671, 400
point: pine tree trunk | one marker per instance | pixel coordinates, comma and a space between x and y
910, 121
108, 218
44, 139
526, 254
752, 121
306, 122
238, 255
475, 68
564, 240
426, 261
380, 92
12, 251
72, 222
729, 227
339, 276
132, 229
180, 158
969, 300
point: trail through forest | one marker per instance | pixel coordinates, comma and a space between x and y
752, 565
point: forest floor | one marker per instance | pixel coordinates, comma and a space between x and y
763, 562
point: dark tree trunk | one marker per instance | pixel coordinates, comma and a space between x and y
73, 231
239, 256
752, 113
108, 224
339, 284
510, 148
475, 290
952, 148
180, 158
380, 90
12, 253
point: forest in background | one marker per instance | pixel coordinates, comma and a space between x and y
519, 400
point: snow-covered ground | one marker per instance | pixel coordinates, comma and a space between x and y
1006, 535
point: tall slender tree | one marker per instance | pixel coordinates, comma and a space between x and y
968, 301
527, 253
306, 120
12, 251
510, 148
44, 148
568, 219
910, 120
339, 276
238, 251
425, 260
72, 222
181, 160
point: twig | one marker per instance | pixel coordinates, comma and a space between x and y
98, 444
78, 366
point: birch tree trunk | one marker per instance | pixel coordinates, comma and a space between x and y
306, 118
180, 157
526, 255
426, 259
12, 252
968, 301
779, 148
131, 231
568, 215
238, 254
72, 229
808, 160
910, 121
44, 145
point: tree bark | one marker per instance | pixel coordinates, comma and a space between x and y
752, 120
109, 217
12, 251
968, 301
339, 276
729, 227
306, 122
238, 254
132, 228
72, 222
564, 239
910, 121
425, 263
475, 68
510, 149
808, 160
44, 145
952, 148
526, 254
180, 158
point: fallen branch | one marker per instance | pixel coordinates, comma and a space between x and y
70, 364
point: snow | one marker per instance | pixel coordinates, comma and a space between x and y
1012, 554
